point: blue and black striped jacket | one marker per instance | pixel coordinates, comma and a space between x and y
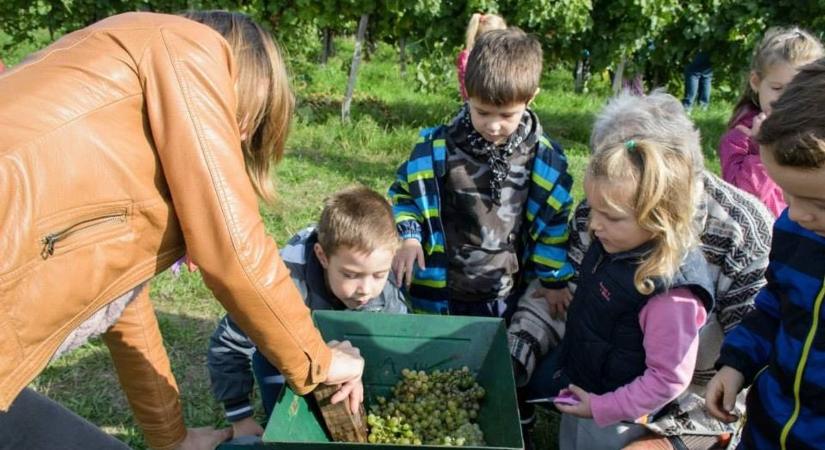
416, 198
780, 346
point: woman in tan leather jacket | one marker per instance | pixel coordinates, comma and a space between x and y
123, 144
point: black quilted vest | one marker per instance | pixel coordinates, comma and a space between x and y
602, 347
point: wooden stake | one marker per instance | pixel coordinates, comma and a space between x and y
343, 425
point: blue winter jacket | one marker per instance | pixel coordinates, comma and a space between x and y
780, 346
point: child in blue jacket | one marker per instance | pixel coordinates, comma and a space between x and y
779, 348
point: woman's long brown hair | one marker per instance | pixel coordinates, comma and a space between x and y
265, 99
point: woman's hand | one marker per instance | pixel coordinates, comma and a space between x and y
205, 438
404, 261
720, 396
346, 369
580, 409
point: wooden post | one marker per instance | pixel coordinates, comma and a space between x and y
343, 425
353, 71
618, 76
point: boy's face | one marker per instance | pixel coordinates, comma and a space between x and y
495, 123
355, 277
804, 192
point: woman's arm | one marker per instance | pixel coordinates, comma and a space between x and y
145, 373
188, 78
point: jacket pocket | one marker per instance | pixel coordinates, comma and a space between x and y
81, 229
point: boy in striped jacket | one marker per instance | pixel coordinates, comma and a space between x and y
482, 203
779, 348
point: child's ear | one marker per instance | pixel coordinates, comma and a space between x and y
754, 81
319, 253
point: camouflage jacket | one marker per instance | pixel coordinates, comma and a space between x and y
416, 197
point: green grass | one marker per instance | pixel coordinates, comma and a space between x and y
323, 155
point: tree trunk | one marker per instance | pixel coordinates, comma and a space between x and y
618, 76
326, 52
402, 55
353, 71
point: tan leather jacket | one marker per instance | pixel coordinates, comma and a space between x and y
118, 142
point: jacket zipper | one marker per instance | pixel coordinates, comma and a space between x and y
598, 263
51, 239
800, 368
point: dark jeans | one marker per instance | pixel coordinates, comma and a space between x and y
270, 381
35, 422
497, 308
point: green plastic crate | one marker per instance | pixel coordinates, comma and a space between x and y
391, 342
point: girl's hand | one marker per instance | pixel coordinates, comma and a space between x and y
346, 369
720, 396
246, 427
753, 131
558, 299
582, 409
405, 259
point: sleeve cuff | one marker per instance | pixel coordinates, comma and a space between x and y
524, 358
548, 284
409, 229
736, 359
237, 409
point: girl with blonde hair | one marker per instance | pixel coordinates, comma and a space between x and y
479, 23
644, 288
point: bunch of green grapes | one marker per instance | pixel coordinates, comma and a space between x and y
438, 408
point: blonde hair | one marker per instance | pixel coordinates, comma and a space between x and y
265, 99
793, 46
663, 196
504, 67
794, 133
357, 218
480, 23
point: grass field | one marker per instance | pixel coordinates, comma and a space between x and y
323, 156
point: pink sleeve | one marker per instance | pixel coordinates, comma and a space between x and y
670, 323
461, 66
743, 168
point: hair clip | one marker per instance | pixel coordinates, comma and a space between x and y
630, 144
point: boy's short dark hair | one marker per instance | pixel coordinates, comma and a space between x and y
794, 133
504, 67
357, 218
